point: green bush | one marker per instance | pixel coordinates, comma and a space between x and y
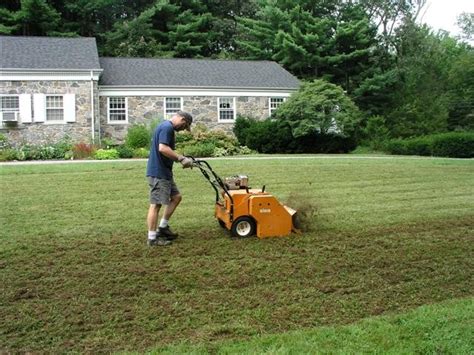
31, 152
199, 150
202, 142
419, 146
105, 154
124, 151
375, 133
242, 124
141, 153
275, 136
138, 136
269, 136
319, 107
396, 146
108, 143
8, 154
4, 144
183, 137
454, 145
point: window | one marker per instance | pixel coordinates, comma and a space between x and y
10, 103
9, 108
54, 108
117, 110
172, 105
275, 102
226, 109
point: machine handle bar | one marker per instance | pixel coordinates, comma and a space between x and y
214, 180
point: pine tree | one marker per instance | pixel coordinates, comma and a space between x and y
37, 18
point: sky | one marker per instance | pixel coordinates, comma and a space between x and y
441, 14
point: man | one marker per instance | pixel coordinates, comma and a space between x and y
163, 190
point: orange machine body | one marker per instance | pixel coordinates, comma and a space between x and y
272, 218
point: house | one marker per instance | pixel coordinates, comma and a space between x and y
52, 87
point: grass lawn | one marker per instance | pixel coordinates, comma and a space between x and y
389, 235
443, 328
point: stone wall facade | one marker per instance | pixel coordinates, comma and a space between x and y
141, 109
40, 133
144, 109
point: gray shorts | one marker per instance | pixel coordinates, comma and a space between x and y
161, 190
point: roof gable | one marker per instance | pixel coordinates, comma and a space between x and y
19, 52
195, 73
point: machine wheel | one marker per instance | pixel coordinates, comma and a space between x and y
243, 227
221, 223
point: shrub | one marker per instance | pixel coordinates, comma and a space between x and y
200, 150
269, 136
83, 150
242, 124
31, 152
454, 145
320, 107
61, 149
105, 154
275, 136
108, 143
376, 132
205, 143
419, 146
124, 151
141, 153
47, 152
396, 146
183, 136
138, 136
8, 154
4, 144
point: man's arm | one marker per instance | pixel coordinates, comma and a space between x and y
168, 152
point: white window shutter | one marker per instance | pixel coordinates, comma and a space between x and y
39, 106
25, 108
69, 107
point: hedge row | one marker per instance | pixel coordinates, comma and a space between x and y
275, 136
452, 144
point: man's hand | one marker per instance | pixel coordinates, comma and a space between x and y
186, 162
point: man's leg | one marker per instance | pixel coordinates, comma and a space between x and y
152, 217
169, 209
174, 200
164, 229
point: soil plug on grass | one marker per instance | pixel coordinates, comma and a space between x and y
307, 211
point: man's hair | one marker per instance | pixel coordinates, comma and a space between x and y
187, 117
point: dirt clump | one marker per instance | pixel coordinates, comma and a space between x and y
306, 211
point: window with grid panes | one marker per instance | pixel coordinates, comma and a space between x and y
10, 103
54, 108
226, 108
172, 105
117, 109
275, 102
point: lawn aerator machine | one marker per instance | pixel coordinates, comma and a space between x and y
246, 211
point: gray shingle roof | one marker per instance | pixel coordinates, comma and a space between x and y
18, 52
195, 73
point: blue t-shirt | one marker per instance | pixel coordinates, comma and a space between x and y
160, 166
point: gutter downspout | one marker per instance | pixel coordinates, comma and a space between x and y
92, 108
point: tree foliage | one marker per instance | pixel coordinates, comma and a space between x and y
331, 39
320, 107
